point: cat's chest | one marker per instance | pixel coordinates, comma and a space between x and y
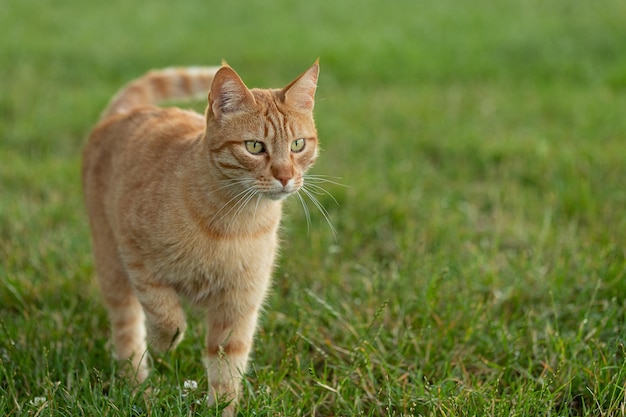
202, 269
183, 249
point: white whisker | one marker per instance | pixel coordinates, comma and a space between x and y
240, 205
231, 183
234, 181
239, 196
256, 206
323, 178
321, 208
306, 212
321, 191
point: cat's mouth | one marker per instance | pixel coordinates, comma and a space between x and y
278, 195
281, 191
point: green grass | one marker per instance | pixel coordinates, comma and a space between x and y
479, 266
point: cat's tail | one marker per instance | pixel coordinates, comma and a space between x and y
157, 86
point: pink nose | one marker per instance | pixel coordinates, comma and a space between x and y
284, 180
283, 174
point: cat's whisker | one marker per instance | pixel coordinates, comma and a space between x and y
306, 212
256, 206
321, 208
240, 205
321, 191
323, 178
308, 175
240, 195
235, 181
231, 183
244, 201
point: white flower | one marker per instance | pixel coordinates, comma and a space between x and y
38, 401
190, 385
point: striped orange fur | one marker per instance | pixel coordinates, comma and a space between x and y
186, 205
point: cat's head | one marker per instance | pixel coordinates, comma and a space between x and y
262, 139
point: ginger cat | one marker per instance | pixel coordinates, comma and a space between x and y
182, 205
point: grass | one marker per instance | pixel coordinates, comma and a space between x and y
480, 258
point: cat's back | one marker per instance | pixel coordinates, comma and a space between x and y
141, 128
143, 136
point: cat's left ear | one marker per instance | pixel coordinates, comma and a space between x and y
300, 94
228, 93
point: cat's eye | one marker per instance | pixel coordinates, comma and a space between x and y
255, 147
297, 145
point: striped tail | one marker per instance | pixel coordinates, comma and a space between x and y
162, 85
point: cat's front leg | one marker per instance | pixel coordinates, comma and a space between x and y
228, 344
165, 318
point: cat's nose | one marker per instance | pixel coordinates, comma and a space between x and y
284, 180
283, 174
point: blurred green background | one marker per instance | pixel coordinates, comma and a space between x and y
479, 262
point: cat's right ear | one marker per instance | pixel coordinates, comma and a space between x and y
300, 94
228, 94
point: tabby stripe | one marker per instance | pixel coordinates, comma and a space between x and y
278, 117
226, 165
230, 348
271, 117
225, 145
160, 86
289, 130
186, 82
272, 123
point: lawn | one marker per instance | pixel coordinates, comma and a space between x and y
479, 262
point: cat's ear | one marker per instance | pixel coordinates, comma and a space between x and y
300, 94
229, 94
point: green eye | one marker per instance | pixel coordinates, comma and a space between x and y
297, 145
254, 147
